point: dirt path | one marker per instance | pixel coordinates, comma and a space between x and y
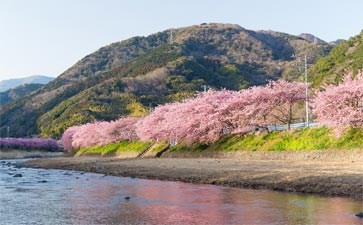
325, 178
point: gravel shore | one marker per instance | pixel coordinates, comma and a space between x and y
19, 154
324, 178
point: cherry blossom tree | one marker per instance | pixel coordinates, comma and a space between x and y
67, 138
121, 129
199, 119
99, 133
261, 106
341, 106
30, 144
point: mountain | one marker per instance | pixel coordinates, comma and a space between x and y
16, 93
311, 38
336, 42
131, 76
12, 83
347, 55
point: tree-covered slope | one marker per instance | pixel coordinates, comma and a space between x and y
16, 93
5, 85
347, 55
130, 76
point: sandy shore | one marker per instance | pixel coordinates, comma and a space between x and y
324, 178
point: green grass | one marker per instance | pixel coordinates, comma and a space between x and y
159, 146
115, 148
303, 139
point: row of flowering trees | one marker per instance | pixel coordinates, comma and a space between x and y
30, 144
212, 114
204, 118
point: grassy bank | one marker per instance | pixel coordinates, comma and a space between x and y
303, 139
287, 141
125, 148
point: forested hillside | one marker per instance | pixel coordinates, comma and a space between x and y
16, 93
346, 56
132, 76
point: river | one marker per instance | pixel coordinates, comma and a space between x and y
55, 197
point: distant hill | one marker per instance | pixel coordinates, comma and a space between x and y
13, 94
311, 38
347, 55
336, 42
12, 83
134, 75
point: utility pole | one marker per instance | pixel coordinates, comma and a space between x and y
306, 92
8, 131
204, 87
306, 88
171, 37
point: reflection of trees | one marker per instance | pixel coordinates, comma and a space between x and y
173, 202
102, 201
340, 211
98, 201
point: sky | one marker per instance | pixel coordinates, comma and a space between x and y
45, 37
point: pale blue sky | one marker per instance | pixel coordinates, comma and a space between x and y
48, 36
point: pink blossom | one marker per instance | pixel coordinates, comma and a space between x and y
198, 119
341, 106
264, 105
99, 133
30, 144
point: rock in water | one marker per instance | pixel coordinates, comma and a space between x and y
18, 175
127, 198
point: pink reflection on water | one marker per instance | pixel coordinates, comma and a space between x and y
160, 202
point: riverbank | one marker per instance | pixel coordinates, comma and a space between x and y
339, 155
324, 178
22, 154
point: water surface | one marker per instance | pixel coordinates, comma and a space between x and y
70, 197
